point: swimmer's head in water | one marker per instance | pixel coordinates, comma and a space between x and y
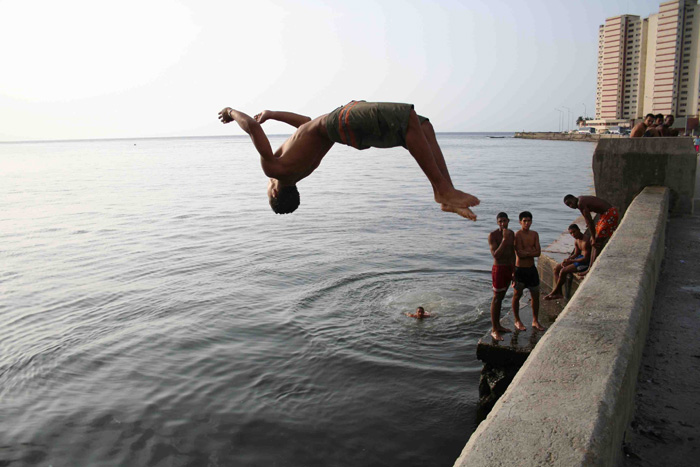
287, 200
420, 310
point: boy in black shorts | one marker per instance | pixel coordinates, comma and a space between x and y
527, 248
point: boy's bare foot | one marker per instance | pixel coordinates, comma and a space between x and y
537, 325
553, 296
496, 333
520, 326
581, 275
457, 198
464, 212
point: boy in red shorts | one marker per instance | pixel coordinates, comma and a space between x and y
501, 242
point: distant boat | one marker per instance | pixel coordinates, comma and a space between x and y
496, 136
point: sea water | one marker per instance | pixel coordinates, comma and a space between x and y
154, 311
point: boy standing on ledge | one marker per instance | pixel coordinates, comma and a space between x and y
501, 243
527, 248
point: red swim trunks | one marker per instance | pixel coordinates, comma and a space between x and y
607, 223
501, 276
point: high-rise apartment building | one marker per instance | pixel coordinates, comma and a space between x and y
649, 65
620, 62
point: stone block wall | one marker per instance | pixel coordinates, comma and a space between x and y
623, 167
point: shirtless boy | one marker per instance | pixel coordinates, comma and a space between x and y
577, 261
603, 230
419, 314
641, 127
655, 129
666, 129
527, 248
358, 124
501, 242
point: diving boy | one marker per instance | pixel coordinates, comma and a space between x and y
358, 124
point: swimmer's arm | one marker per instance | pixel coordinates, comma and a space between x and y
289, 118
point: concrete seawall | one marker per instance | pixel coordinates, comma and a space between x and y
572, 400
554, 136
623, 167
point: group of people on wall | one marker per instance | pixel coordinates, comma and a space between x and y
654, 125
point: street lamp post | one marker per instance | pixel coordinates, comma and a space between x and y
584, 112
561, 113
568, 116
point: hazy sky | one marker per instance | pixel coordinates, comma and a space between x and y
136, 68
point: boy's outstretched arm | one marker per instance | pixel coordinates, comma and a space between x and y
254, 130
289, 118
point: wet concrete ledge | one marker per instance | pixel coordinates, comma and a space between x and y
573, 398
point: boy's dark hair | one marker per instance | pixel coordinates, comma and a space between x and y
420, 308
574, 227
502, 215
568, 197
524, 214
287, 200
661, 116
649, 115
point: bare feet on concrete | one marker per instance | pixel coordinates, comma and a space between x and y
496, 333
553, 296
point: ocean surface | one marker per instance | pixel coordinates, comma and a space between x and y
155, 312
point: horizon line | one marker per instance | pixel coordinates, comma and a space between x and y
78, 140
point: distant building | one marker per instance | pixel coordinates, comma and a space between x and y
649, 65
